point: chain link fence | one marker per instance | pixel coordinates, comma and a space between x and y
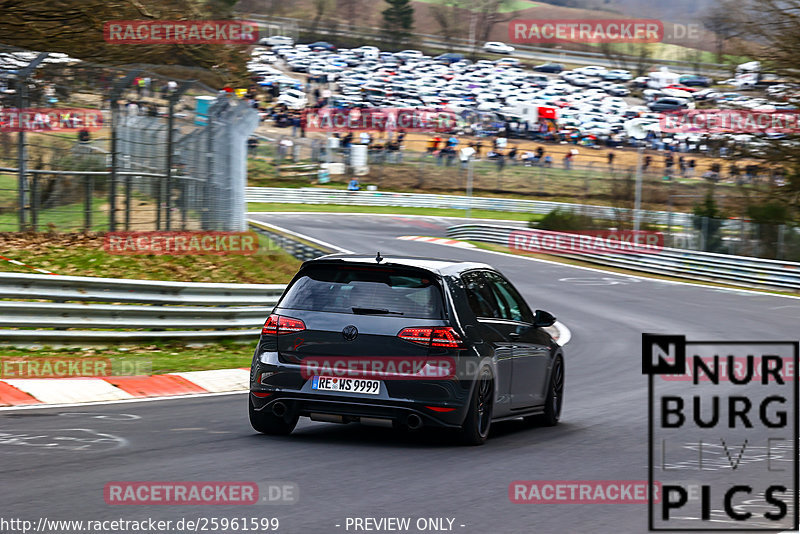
159, 153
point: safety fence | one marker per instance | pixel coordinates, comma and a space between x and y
108, 148
694, 265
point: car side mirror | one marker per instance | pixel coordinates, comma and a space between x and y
542, 318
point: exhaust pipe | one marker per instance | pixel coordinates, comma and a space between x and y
279, 409
414, 422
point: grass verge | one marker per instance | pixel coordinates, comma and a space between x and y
83, 255
161, 358
432, 212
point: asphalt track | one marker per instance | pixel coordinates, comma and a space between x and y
50, 469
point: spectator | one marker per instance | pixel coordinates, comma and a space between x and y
682, 165
528, 158
252, 144
501, 160
568, 160
610, 160
512, 155
285, 147
432, 144
353, 185
548, 161
647, 161
691, 164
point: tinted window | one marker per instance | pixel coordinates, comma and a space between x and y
480, 296
511, 304
340, 289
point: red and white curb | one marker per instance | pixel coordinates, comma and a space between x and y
31, 391
437, 241
16, 262
22, 392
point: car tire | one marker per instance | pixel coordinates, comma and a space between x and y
268, 423
478, 422
555, 398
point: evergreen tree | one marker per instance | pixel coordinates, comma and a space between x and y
398, 20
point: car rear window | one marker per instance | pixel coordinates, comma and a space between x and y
367, 290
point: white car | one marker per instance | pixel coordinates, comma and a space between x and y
277, 40
293, 99
409, 54
591, 70
497, 47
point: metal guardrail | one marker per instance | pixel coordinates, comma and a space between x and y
311, 195
94, 310
137, 310
688, 264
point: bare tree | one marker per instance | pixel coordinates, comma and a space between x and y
75, 27
449, 16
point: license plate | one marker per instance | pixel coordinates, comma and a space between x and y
348, 385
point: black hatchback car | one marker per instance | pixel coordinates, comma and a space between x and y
405, 342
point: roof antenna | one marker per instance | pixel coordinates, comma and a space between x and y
378, 258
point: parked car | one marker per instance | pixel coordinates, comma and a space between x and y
669, 104
695, 80
293, 98
277, 40
432, 341
549, 67
618, 90
322, 45
617, 75
448, 58
498, 47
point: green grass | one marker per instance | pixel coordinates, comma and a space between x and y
159, 358
68, 217
432, 212
80, 255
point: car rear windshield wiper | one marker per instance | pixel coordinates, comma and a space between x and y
375, 311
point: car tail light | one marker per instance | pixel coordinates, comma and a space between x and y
440, 409
278, 324
442, 337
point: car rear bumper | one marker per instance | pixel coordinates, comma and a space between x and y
350, 409
438, 402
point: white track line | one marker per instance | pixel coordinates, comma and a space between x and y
301, 236
124, 401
